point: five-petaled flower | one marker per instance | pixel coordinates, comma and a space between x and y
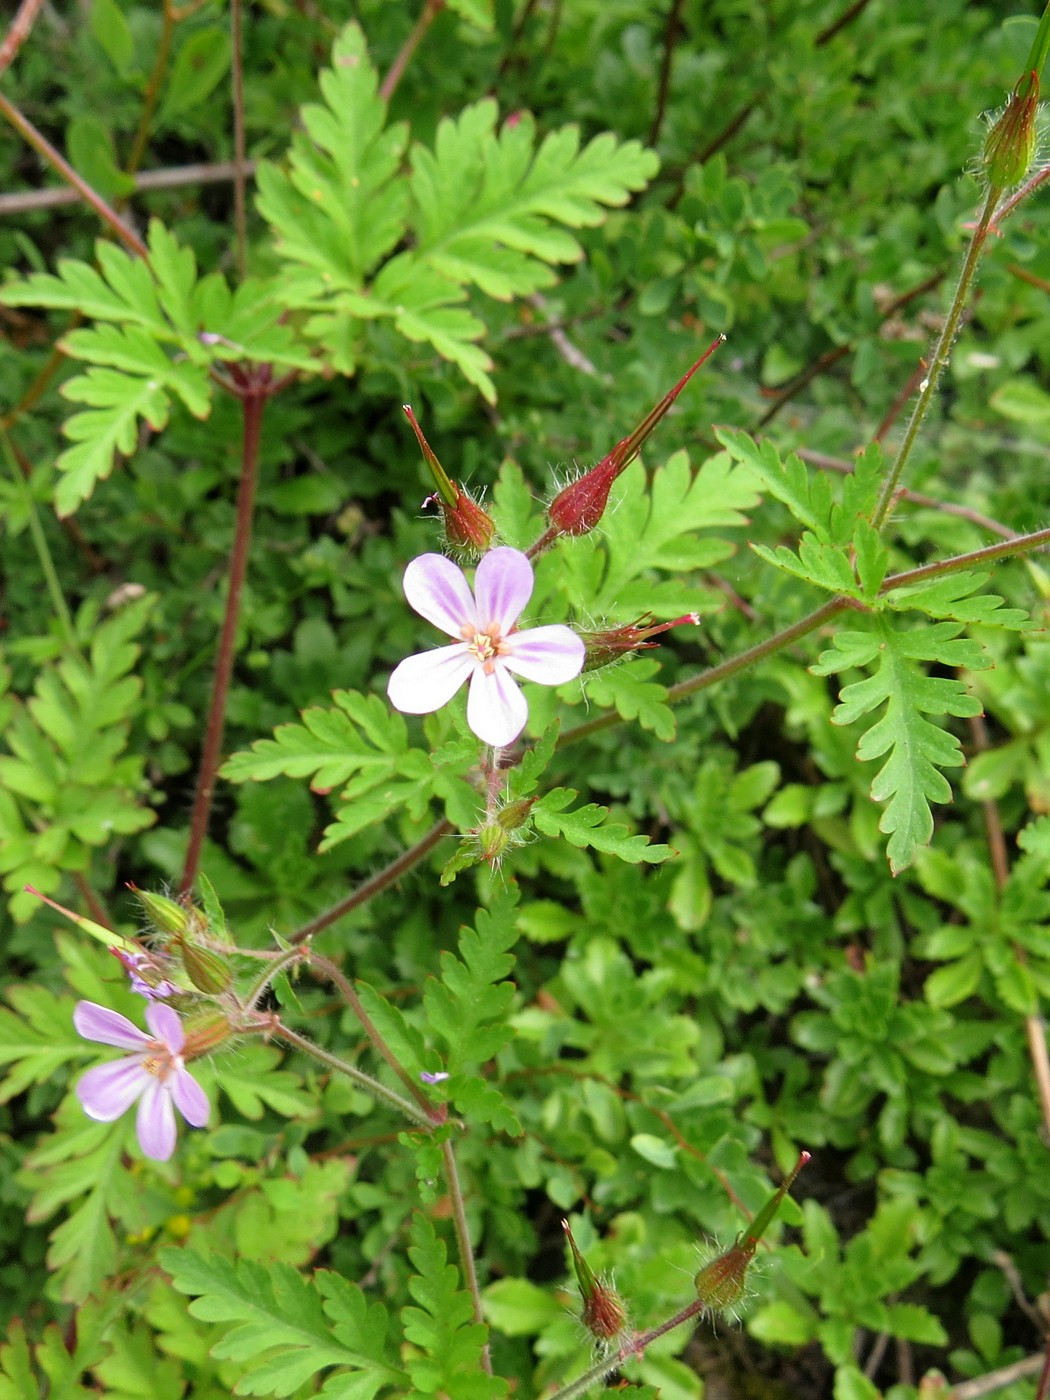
489, 646
154, 1074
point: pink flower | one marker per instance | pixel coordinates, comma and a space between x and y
489, 648
154, 1074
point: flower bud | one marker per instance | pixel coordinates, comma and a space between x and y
603, 1313
165, 914
205, 1032
579, 507
608, 645
1010, 145
207, 969
721, 1283
469, 530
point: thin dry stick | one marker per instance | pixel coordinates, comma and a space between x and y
58, 162
997, 1380
431, 10
19, 31
239, 206
168, 178
1035, 1029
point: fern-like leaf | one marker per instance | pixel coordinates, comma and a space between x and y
911, 777
450, 1342
283, 1329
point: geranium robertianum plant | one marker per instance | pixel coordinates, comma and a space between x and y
611, 945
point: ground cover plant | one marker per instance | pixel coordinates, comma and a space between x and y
523, 766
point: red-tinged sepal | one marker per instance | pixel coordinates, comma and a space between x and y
603, 1312
721, 1284
611, 643
578, 508
469, 529
1010, 144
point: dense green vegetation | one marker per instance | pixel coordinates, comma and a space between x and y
776, 885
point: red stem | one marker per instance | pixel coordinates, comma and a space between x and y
253, 403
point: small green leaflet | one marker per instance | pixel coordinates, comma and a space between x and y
910, 779
588, 826
442, 1326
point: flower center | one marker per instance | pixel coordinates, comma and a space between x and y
484, 646
159, 1061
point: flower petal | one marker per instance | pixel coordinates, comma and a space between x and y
550, 655
190, 1098
96, 1022
107, 1091
428, 680
166, 1025
438, 591
155, 1124
503, 585
496, 708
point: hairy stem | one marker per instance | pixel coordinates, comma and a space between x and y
346, 989
363, 1081
18, 32
253, 403
466, 1253
406, 861
939, 361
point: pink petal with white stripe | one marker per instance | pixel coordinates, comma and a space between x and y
438, 591
503, 585
550, 655
428, 680
496, 708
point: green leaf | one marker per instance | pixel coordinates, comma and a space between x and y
626, 687
487, 204
450, 1343
951, 596
468, 1009
200, 64
360, 735
657, 527
113, 33
910, 779
587, 826
285, 1329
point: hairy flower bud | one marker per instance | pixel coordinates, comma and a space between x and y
1010, 144
207, 969
603, 1313
579, 507
720, 1284
610, 644
166, 914
469, 530
205, 1032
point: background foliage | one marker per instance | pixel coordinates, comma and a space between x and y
779, 914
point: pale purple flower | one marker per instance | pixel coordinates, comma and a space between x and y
433, 1076
154, 1074
489, 648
